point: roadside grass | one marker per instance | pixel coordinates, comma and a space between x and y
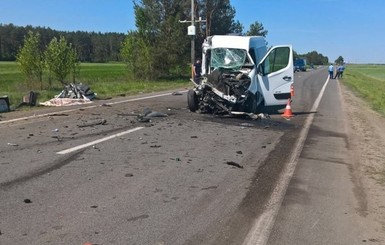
368, 81
107, 80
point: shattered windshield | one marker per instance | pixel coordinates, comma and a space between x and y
228, 58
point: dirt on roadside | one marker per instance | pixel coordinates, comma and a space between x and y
367, 141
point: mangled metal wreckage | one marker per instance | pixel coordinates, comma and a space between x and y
240, 76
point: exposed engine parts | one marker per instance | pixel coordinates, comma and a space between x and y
222, 92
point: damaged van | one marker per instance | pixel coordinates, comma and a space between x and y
240, 75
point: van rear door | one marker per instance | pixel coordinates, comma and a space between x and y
275, 75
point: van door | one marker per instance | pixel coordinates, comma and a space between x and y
275, 75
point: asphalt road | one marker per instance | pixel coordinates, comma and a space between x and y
96, 174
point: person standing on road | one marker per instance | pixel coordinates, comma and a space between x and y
197, 69
341, 69
331, 71
337, 72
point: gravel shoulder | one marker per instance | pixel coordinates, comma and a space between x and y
367, 140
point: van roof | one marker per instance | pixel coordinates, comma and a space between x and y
242, 42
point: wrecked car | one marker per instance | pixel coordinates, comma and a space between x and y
240, 75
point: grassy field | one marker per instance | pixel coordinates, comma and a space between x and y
369, 82
107, 80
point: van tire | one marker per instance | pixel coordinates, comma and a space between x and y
192, 100
251, 106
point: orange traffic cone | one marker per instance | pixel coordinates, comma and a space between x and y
288, 112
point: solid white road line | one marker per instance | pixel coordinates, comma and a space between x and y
260, 232
76, 148
86, 107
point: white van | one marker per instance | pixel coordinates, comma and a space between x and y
239, 74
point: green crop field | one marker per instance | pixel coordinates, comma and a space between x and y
107, 80
369, 82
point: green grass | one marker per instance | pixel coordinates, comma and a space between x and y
369, 83
107, 80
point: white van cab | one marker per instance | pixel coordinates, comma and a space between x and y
240, 74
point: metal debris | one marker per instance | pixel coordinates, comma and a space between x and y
77, 91
148, 114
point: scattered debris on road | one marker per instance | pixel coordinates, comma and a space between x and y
209, 188
94, 123
148, 114
30, 99
247, 125
27, 200
259, 116
231, 163
57, 137
133, 219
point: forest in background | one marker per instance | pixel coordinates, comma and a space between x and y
93, 47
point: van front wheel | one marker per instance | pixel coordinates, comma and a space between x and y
192, 100
251, 106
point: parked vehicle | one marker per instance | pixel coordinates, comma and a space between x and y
300, 65
240, 75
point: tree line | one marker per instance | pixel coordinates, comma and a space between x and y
90, 46
313, 57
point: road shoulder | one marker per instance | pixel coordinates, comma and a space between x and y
367, 139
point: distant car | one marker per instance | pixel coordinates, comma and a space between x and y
300, 65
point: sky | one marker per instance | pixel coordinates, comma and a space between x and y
353, 29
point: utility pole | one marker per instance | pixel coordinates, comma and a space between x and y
191, 31
193, 35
